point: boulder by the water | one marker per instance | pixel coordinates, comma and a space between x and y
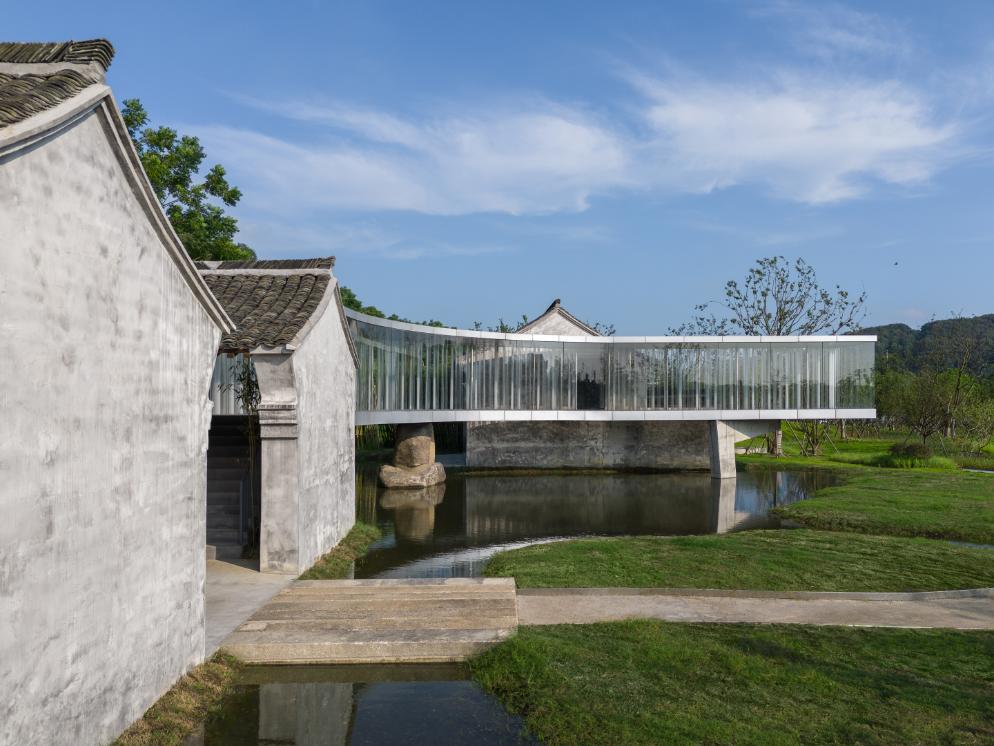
415, 445
412, 478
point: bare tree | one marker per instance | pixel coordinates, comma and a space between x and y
779, 299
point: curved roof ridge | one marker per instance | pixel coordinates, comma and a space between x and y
84, 52
556, 308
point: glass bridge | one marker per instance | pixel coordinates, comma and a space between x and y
414, 373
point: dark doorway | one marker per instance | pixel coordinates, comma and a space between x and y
233, 486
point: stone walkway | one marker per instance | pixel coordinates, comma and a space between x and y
971, 609
378, 621
233, 594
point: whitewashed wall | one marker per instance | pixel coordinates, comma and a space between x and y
106, 364
324, 372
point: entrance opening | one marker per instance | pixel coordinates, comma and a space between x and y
234, 467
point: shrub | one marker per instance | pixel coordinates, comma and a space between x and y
911, 450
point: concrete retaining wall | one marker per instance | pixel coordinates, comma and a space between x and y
633, 445
103, 436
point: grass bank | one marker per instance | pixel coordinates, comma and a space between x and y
903, 502
650, 682
800, 560
183, 708
337, 563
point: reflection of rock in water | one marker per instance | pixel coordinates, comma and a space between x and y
305, 714
500, 508
413, 510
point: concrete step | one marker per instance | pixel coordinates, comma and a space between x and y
219, 509
233, 472
362, 646
223, 485
218, 536
227, 462
379, 621
227, 451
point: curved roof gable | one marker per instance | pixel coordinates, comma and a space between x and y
557, 320
39, 76
273, 302
45, 88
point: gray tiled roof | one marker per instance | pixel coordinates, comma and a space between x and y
268, 309
327, 262
33, 79
100, 51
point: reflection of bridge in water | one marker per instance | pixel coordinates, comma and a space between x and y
481, 514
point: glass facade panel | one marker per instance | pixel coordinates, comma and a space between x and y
407, 370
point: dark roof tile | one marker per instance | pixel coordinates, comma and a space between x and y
327, 262
84, 52
29, 90
22, 96
268, 310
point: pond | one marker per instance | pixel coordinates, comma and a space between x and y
452, 530
361, 705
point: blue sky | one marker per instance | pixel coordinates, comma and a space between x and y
469, 161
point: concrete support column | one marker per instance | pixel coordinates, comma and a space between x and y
722, 444
723, 434
279, 535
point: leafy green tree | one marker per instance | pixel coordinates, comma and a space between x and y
172, 162
351, 300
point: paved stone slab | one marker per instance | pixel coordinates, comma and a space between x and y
378, 621
233, 593
972, 609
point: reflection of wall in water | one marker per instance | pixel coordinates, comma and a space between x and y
365, 492
509, 507
305, 714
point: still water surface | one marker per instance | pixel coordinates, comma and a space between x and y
452, 530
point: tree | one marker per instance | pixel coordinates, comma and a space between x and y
172, 163
778, 299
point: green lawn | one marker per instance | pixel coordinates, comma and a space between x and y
337, 563
650, 682
799, 560
903, 502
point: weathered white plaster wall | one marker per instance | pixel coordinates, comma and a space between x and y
325, 377
104, 374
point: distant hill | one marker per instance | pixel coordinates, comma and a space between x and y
903, 348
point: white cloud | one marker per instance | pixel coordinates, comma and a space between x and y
807, 139
805, 136
833, 31
539, 160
